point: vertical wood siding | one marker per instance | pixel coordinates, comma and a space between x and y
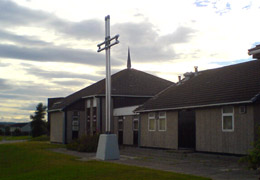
211, 138
56, 133
160, 139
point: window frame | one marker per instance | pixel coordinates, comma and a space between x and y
150, 118
228, 114
160, 118
136, 118
120, 120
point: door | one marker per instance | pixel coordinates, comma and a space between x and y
120, 130
135, 130
186, 129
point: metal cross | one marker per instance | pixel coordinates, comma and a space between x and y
107, 46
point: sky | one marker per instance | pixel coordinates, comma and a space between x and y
49, 48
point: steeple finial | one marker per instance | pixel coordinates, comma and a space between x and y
128, 59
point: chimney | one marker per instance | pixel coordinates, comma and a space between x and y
255, 52
196, 70
179, 77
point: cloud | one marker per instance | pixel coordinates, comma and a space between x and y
4, 85
147, 44
30, 69
13, 15
70, 83
51, 54
23, 40
181, 35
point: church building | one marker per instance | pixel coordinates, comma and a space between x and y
83, 112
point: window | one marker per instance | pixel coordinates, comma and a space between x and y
135, 123
162, 121
242, 109
151, 122
228, 119
120, 124
75, 121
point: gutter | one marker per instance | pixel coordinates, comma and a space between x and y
54, 110
115, 95
252, 52
198, 106
255, 97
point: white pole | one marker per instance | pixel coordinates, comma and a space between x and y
108, 76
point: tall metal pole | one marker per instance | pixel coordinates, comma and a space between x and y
108, 44
108, 76
107, 143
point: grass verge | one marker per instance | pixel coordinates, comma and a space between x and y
34, 160
12, 138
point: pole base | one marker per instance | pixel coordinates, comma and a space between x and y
108, 147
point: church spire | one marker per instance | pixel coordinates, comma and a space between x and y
128, 60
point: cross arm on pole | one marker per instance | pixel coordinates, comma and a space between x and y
108, 43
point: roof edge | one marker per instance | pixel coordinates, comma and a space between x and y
198, 106
117, 95
54, 110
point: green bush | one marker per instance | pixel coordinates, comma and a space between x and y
253, 157
73, 145
41, 138
17, 132
86, 143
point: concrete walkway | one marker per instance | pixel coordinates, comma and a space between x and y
218, 167
11, 141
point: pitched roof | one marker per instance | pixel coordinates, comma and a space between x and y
19, 124
226, 85
128, 82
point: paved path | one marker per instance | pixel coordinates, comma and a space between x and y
218, 167
11, 141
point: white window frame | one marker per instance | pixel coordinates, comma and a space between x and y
136, 119
121, 120
149, 118
228, 114
162, 117
88, 103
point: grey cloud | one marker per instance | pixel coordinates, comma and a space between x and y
58, 74
24, 40
70, 83
181, 35
4, 64
30, 90
51, 54
88, 29
39, 91
4, 85
12, 15
146, 44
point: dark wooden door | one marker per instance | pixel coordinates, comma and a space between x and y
120, 137
186, 129
135, 138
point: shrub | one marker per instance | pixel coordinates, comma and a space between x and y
86, 143
73, 145
41, 138
17, 132
253, 157
7, 131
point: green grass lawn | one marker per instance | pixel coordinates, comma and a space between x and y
10, 138
34, 160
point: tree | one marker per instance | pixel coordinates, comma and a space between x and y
17, 132
7, 131
253, 157
39, 125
